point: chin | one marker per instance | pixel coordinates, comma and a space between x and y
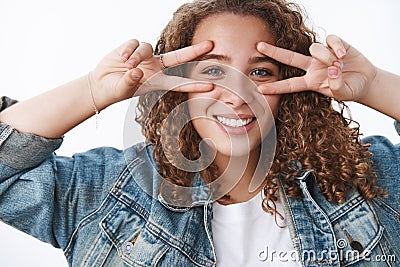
237, 149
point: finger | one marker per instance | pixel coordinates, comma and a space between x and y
335, 79
144, 51
186, 54
284, 56
127, 49
194, 87
174, 83
180, 84
129, 81
292, 85
323, 54
337, 45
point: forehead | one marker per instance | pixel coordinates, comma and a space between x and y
228, 28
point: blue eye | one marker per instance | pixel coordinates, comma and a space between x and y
214, 72
261, 73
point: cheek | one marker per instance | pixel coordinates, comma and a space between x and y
195, 106
273, 102
198, 125
198, 106
201, 124
199, 103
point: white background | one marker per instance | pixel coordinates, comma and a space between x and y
45, 43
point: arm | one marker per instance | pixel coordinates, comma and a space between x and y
16, 148
338, 71
53, 113
117, 77
384, 94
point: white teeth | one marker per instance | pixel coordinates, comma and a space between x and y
233, 122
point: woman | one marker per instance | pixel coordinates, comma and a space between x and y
94, 207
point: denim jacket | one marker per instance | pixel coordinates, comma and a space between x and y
91, 206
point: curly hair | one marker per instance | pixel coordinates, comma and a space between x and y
305, 124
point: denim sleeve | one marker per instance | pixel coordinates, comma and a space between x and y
386, 165
5, 102
45, 195
50, 200
22, 150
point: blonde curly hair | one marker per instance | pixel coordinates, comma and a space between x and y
305, 124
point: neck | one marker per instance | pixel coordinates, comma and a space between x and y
242, 170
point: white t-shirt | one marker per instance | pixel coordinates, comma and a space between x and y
245, 235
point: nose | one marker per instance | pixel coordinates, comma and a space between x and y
231, 98
237, 90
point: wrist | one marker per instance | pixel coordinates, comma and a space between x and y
98, 96
372, 84
96, 109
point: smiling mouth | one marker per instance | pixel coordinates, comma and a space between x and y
235, 123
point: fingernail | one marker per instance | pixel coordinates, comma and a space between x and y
207, 44
333, 72
338, 64
341, 53
135, 76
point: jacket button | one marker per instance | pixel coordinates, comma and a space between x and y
127, 247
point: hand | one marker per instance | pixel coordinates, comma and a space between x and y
119, 75
337, 71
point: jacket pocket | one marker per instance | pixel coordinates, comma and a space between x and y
126, 230
357, 232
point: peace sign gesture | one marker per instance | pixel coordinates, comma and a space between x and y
336, 70
119, 75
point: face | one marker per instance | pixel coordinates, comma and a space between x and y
233, 116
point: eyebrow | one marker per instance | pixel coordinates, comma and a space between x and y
213, 56
226, 58
255, 60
